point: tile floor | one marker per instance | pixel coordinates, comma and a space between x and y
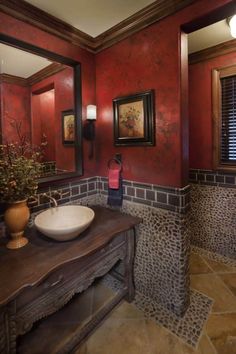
128, 331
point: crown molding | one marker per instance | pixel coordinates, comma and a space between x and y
141, 19
50, 70
212, 52
13, 80
154, 12
32, 15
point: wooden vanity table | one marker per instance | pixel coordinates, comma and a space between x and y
40, 278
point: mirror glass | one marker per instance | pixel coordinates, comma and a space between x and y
37, 100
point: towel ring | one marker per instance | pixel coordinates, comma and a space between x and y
114, 160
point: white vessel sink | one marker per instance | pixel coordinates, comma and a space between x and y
64, 223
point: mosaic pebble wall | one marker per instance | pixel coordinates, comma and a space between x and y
161, 259
213, 215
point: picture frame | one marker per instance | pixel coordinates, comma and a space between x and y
134, 119
68, 127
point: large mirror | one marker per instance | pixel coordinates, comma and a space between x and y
40, 99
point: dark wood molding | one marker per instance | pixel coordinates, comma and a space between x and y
28, 13
213, 52
154, 12
13, 80
50, 70
220, 13
33, 79
216, 117
141, 19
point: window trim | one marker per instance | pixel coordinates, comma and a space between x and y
217, 74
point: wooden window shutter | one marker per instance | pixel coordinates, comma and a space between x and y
228, 119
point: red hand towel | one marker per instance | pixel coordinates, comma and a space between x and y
113, 178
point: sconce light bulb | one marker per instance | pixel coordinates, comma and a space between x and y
91, 112
232, 25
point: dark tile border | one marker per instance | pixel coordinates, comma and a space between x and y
212, 178
173, 199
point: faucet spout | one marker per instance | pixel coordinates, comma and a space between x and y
50, 199
53, 200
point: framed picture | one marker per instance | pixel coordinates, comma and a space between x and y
68, 127
134, 119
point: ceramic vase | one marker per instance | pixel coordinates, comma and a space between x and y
16, 218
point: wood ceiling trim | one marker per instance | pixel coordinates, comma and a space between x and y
145, 17
213, 52
50, 70
13, 80
154, 12
32, 15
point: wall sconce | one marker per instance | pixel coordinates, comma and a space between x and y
232, 25
89, 127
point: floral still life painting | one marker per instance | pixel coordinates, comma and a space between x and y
131, 123
134, 119
68, 127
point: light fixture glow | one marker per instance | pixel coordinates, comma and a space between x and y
91, 112
232, 25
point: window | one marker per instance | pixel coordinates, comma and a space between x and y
224, 118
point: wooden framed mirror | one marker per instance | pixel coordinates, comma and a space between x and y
35, 96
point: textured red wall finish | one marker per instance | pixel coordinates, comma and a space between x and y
15, 104
63, 84
150, 59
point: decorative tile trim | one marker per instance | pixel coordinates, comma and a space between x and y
169, 198
173, 199
212, 178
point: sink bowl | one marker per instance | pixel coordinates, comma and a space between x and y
64, 223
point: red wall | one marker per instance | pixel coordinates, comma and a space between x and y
15, 104
43, 122
200, 110
149, 59
33, 35
63, 84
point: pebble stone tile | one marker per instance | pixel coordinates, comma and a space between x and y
161, 257
213, 219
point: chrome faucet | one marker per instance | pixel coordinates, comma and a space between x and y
50, 199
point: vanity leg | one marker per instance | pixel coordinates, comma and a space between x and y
128, 262
7, 329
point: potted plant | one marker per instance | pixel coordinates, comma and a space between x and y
19, 172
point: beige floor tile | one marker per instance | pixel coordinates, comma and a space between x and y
101, 295
198, 265
118, 336
230, 281
219, 267
162, 341
205, 346
212, 286
221, 328
127, 311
